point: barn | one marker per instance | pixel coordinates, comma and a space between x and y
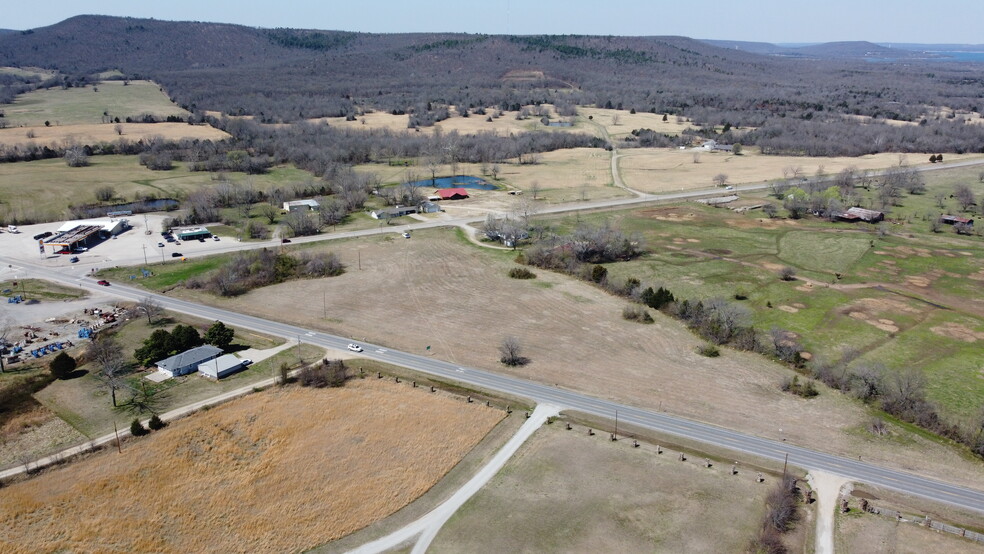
188, 361
218, 368
457, 193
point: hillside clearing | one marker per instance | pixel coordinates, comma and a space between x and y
91, 104
236, 470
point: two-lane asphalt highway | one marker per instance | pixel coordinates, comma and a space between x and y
971, 499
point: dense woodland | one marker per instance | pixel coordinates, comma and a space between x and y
797, 105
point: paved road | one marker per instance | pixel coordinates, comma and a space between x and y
971, 499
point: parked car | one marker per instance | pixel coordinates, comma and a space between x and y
103, 282
215, 238
175, 254
43, 235
73, 259
406, 234
355, 347
160, 245
284, 241
247, 361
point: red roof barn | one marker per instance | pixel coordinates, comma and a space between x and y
453, 194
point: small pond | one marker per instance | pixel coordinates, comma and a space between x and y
462, 181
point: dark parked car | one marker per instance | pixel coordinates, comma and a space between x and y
43, 235
73, 259
175, 254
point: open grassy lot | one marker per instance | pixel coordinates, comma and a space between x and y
503, 125
457, 298
28, 72
94, 133
39, 289
658, 170
857, 531
567, 492
321, 463
86, 105
47, 187
620, 123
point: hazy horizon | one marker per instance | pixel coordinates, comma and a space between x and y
948, 22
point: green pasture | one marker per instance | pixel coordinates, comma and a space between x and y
46, 188
88, 105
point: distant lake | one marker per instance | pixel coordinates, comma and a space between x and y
961, 56
462, 181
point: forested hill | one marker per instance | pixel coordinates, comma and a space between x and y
796, 103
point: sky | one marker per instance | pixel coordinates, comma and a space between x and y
776, 21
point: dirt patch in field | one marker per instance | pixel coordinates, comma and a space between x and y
958, 332
321, 463
789, 309
918, 281
668, 214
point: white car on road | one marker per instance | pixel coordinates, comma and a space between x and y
355, 347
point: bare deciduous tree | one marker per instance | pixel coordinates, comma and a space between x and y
964, 196
149, 306
511, 352
6, 327
720, 179
107, 354
270, 212
535, 189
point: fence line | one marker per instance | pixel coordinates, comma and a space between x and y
926, 522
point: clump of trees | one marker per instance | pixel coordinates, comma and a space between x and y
162, 344
62, 365
511, 352
259, 268
782, 511
521, 273
637, 314
328, 373
219, 335
586, 245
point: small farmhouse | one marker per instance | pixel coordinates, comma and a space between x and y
453, 194
862, 214
218, 368
188, 361
396, 211
713, 146
309, 204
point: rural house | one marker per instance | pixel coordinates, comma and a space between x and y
301, 205
188, 361
453, 194
429, 207
713, 146
218, 368
396, 211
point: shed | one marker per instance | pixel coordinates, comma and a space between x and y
429, 208
396, 211
218, 368
862, 214
453, 194
188, 361
955, 219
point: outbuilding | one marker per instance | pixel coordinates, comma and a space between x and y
862, 214
309, 204
457, 193
956, 219
194, 233
396, 211
221, 366
188, 361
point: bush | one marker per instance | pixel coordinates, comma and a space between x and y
521, 273
137, 429
637, 313
329, 373
156, 423
62, 365
787, 274
709, 350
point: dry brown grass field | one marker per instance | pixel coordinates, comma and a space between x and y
458, 299
94, 133
503, 125
656, 170
627, 122
856, 531
563, 175
282, 470
567, 492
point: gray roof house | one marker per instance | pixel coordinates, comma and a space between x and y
188, 361
218, 368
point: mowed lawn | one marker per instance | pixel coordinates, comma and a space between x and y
565, 491
902, 300
457, 299
46, 188
320, 463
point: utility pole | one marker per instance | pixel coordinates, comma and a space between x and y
145, 253
117, 431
